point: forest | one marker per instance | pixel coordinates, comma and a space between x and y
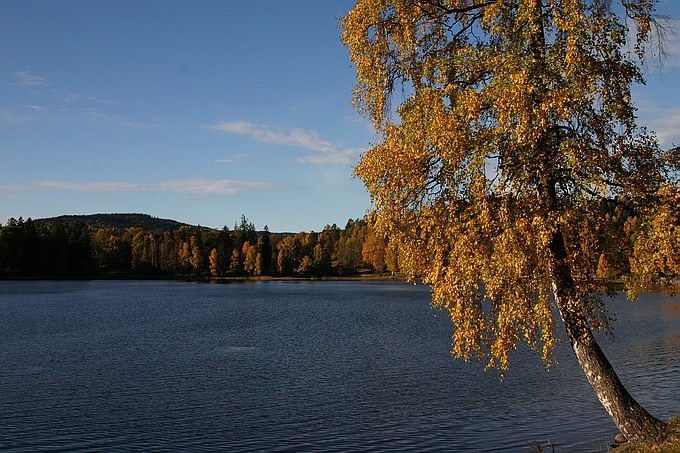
68, 247
134, 245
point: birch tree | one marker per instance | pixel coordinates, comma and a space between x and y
502, 124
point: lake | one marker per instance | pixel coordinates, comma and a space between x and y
297, 366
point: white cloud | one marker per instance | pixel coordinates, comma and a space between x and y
72, 97
292, 137
96, 114
121, 120
667, 127
92, 187
99, 100
296, 137
342, 156
228, 187
38, 108
665, 121
193, 186
230, 160
13, 192
29, 79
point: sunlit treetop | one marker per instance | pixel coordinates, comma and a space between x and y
513, 122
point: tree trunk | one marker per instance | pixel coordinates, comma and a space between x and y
632, 419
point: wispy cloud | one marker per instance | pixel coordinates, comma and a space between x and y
230, 160
340, 156
665, 121
226, 187
667, 127
73, 97
29, 79
122, 120
9, 116
291, 137
78, 106
91, 187
13, 192
192, 186
96, 114
330, 153
25, 114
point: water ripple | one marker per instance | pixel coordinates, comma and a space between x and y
325, 366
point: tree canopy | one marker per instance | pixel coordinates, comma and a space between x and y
516, 117
507, 132
62, 247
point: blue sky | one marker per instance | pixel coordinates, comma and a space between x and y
201, 111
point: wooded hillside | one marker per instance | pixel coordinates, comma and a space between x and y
90, 246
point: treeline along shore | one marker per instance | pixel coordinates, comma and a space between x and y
140, 246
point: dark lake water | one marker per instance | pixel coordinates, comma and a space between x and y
296, 366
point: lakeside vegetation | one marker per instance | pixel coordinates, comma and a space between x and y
116, 245
142, 246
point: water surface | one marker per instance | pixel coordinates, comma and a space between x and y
311, 366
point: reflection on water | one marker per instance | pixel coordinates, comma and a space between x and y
672, 311
311, 366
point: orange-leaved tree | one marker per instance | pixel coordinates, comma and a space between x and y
514, 124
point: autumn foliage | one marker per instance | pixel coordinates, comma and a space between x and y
75, 249
513, 122
507, 142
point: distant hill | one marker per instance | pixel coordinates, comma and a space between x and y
118, 221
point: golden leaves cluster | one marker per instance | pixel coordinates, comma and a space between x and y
500, 102
656, 249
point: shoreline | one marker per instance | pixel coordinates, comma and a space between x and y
617, 285
204, 279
